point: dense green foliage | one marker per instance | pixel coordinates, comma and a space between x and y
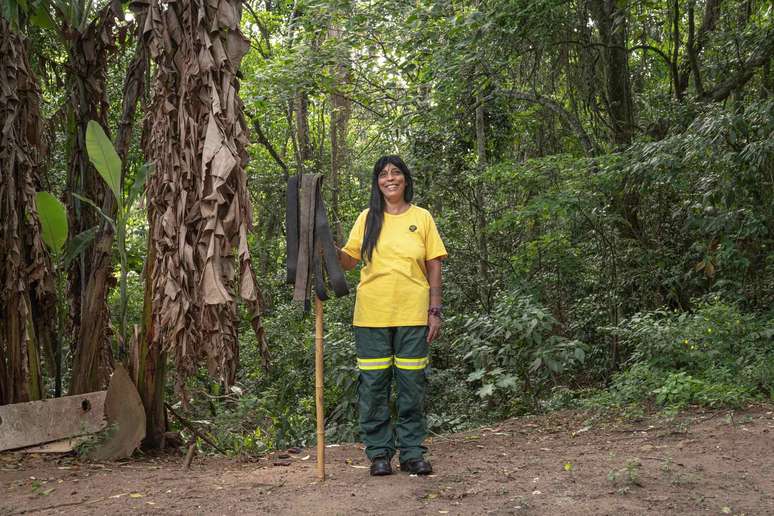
604, 183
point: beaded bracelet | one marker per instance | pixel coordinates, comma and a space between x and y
434, 310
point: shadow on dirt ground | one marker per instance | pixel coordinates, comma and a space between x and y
700, 462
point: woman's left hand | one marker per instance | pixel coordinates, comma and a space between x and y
433, 328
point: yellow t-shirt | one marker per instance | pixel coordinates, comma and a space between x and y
393, 289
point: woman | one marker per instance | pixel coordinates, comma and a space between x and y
397, 315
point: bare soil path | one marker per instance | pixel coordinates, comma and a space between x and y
564, 463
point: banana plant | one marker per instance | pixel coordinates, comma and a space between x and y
60, 15
53, 221
105, 159
54, 229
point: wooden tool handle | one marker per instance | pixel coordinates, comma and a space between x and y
318, 385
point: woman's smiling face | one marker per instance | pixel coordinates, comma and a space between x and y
392, 183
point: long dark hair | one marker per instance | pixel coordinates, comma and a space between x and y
375, 218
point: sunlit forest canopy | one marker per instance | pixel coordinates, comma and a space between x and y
602, 174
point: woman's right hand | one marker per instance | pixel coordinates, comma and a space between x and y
346, 261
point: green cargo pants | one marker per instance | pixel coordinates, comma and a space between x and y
381, 354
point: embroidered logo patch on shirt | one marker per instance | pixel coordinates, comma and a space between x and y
412, 228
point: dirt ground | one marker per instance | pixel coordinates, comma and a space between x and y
564, 463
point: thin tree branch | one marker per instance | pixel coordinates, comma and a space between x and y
263, 30
183, 421
263, 140
565, 116
724, 89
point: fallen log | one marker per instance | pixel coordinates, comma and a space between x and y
109, 424
44, 421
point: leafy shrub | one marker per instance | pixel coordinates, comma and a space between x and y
716, 334
714, 356
681, 389
452, 406
514, 351
629, 386
760, 374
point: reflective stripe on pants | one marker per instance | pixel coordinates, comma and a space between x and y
414, 363
373, 364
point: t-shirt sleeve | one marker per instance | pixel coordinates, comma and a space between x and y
355, 240
434, 247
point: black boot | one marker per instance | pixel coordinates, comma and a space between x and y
416, 467
380, 467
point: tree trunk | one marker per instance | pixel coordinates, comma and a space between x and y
341, 109
92, 276
480, 200
151, 364
693, 58
611, 21
93, 359
696, 44
26, 280
134, 86
676, 50
199, 210
301, 111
